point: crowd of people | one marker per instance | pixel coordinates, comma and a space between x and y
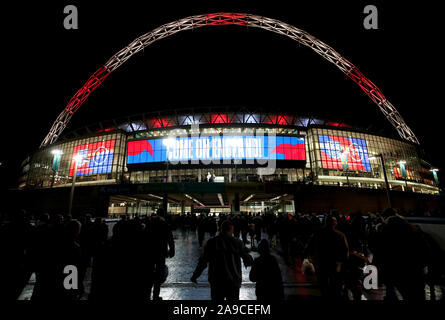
129, 261
129, 265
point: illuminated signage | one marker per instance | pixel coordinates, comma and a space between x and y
344, 153
403, 174
216, 147
95, 157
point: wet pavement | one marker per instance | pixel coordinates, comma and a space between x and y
182, 265
178, 286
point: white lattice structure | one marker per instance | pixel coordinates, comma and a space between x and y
249, 20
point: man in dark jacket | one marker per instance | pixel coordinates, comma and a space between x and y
162, 244
403, 253
267, 275
223, 254
330, 249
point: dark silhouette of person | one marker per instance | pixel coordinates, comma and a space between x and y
403, 253
436, 263
15, 241
56, 247
120, 228
330, 249
122, 267
223, 255
244, 228
202, 224
70, 254
212, 226
161, 242
258, 225
285, 234
43, 254
267, 275
98, 234
236, 226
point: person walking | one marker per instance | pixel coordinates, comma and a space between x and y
267, 275
331, 250
403, 253
223, 255
162, 246
202, 224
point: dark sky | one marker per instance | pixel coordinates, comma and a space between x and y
216, 66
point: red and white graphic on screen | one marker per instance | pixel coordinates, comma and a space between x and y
340, 152
95, 157
137, 147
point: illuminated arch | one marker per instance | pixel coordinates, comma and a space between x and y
249, 20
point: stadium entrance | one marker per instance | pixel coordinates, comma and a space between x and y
213, 198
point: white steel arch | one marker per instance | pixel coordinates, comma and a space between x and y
249, 20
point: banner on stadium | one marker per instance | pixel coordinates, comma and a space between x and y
95, 157
344, 153
216, 148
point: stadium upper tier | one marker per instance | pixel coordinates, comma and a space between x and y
205, 117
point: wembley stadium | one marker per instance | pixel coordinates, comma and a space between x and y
222, 161
228, 159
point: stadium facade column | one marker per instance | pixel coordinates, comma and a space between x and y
138, 207
283, 206
165, 202
236, 204
296, 203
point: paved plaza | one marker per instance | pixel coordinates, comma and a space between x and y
297, 286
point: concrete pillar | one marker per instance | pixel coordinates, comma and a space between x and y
165, 202
199, 175
138, 207
230, 174
283, 205
236, 204
296, 203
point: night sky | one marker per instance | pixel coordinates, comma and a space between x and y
44, 65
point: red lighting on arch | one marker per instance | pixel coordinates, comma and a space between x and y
226, 18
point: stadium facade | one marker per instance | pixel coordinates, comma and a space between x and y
229, 160
224, 160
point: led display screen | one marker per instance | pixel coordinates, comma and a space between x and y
216, 147
96, 158
399, 174
344, 153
